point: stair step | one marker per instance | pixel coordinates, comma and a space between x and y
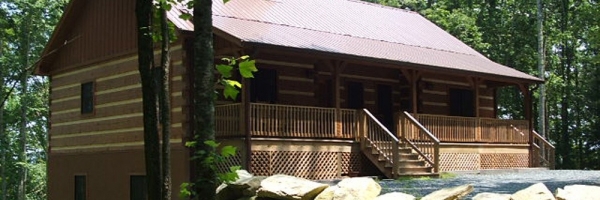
411, 163
419, 175
409, 170
409, 156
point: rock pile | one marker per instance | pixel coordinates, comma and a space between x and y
285, 187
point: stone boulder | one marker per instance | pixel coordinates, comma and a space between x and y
396, 196
537, 191
352, 188
491, 196
289, 187
328, 193
450, 193
357, 188
577, 192
245, 186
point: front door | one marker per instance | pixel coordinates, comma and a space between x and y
385, 106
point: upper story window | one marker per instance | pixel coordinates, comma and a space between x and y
87, 97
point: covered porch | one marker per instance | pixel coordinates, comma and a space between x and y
292, 121
440, 143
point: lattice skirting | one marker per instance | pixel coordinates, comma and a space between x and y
310, 164
459, 161
224, 166
474, 161
504, 160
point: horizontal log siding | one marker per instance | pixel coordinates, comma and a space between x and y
370, 77
434, 95
117, 119
295, 85
95, 35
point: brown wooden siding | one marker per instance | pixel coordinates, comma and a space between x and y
103, 29
116, 122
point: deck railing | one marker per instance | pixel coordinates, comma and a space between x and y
272, 120
373, 133
543, 152
227, 120
472, 129
420, 139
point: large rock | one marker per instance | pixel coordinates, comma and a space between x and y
577, 192
537, 191
363, 188
245, 186
396, 196
491, 196
450, 193
328, 193
289, 187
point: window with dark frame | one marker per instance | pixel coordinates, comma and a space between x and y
80, 187
462, 102
87, 98
137, 187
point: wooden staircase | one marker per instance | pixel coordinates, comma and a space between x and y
409, 164
393, 157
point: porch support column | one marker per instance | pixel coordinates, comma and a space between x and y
474, 82
245, 123
413, 76
337, 68
528, 104
245, 111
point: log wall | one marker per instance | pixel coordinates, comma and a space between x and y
116, 122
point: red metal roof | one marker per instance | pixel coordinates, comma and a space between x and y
351, 28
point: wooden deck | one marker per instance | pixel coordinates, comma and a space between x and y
437, 143
287, 121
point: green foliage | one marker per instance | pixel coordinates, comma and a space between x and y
246, 68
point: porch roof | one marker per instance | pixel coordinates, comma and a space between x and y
349, 27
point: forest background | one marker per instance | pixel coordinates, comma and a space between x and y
503, 30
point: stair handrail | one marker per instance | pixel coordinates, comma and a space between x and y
548, 150
395, 141
436, 142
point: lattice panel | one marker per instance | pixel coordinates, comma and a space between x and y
346, 158
231, 161
459, 161
504, 160
305, 164
262, 162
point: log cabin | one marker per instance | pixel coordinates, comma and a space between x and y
344, 88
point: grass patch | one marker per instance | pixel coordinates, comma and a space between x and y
447, 175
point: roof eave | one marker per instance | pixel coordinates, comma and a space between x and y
494, 77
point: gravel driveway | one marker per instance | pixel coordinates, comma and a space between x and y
497, 181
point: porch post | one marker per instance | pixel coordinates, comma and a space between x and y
413, 83
245, 122
477, 114
527, 98
337, 67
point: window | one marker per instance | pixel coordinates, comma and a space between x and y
87, 97
137, 187
263, 87
462, 103
355, 98
80, 190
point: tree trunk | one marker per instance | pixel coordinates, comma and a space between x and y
23, 139
2, 143
145, 65
203, 99
165, 104
541, 68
